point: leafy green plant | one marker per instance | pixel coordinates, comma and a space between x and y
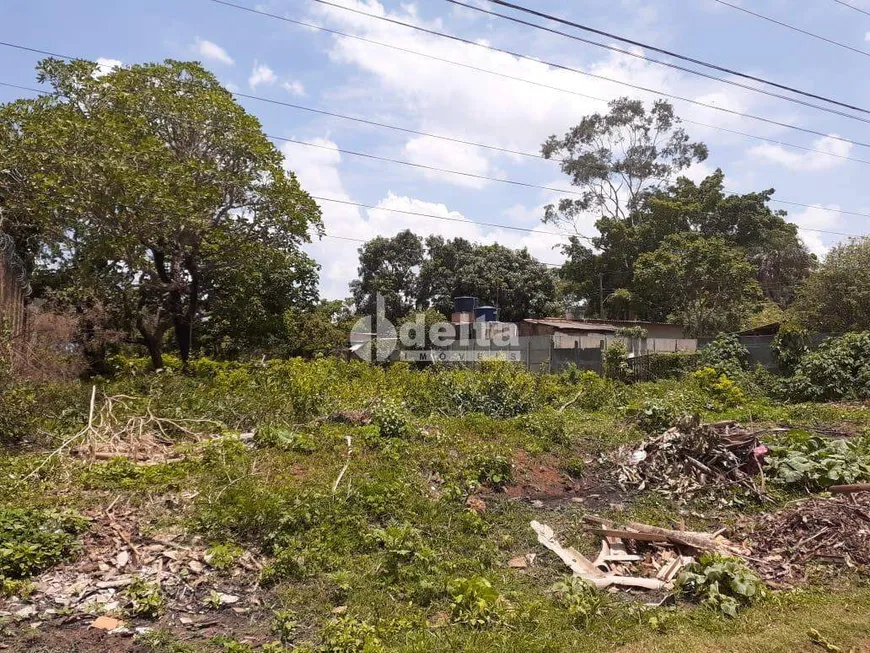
814, 463
144, 599
223, 556
656, 415
391, 419
490, 470
725, 355
581, 599
789, 345
284, 625
285, 439
403, 544
838, 369
547, 424
473, 601
720, 583
349, 635
722, 390
614, 362
33, 540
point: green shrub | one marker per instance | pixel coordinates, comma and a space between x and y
488, 469
284, 625
391, 419
789, 345
813, 463
144, 599
838, 369
223, 556
614, 362
722, 390
499, 390
547, 424
32, 540
473, 601
349, 635
725, 355
285, 438
720, 583
581, 599
17, 407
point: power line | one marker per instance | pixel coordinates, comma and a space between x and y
422, 166
670, 53
362, 240
792, 27
660, 62
441, 136
846, 4
456, 172
538, 61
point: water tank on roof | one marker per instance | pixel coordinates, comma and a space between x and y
486, 314
464, 304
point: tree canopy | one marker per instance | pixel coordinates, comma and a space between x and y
836, 298
415, 275
151, 191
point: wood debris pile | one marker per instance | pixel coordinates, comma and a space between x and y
635, 555
688, 459
115, 554
835, 530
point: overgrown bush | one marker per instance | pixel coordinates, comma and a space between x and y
17, 406
725, 355
723, 392
33, 540
720, 583
498, 390
838, 369
349, 635
789, 345
614, 362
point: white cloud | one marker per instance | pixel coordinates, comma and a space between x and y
211, 51
816, 217
294, 87
318, 171
106, 66
805, 161
261, 74
449, 156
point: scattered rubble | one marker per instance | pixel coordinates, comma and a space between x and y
116, 553
636, 555
835, 530
692, 457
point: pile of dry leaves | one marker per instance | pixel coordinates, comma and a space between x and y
690, 458
833, 530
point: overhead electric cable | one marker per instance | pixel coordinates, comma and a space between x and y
451, 138
539, 61
444, 170
670, 53
791, 27
850, 6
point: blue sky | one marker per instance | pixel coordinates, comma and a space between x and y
270, 58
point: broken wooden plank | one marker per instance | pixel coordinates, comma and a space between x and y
576, 561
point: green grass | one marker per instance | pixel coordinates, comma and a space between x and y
395, 535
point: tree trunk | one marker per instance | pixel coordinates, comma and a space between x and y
155, 347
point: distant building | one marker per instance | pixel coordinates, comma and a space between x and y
546, 326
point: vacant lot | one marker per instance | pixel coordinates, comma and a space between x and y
336, 506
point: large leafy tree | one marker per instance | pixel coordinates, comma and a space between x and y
604, 276
511, 279
617, 158
142, 187
389, 267
704, 283
836, 298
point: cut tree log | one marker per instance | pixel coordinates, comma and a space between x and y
849, 489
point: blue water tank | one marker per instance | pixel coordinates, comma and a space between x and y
486, 314
464, 304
